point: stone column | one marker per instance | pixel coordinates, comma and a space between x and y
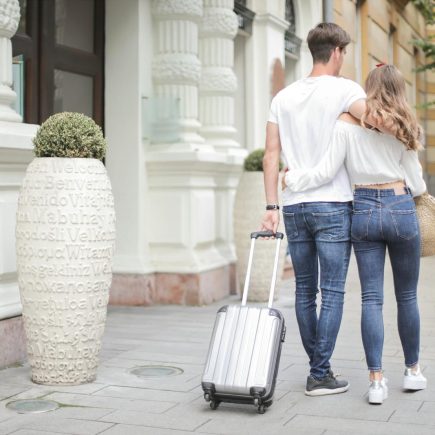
176, 69
9, 19
218, 81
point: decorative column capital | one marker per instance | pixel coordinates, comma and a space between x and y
218, 22
169, 8
9, 17
176, 68
219, 80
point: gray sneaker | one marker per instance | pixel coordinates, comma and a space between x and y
327, 385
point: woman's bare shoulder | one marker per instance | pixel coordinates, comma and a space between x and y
347, 117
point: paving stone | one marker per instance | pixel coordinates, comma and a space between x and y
145, 394
184, 422
353, 426
70, 426
124, 429
33, 432
111, 402
7, 391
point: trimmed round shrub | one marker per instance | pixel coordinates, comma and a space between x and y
254, 161
70, 134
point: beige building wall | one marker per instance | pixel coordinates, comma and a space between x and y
382, 31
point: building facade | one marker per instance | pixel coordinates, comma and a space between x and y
182, 90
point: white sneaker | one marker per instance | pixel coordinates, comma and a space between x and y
414, 379
378, 391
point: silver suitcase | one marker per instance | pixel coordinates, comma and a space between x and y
245, 349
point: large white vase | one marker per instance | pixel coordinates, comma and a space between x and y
249, 209
65, 237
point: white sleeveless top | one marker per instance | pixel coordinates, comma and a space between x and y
370, 157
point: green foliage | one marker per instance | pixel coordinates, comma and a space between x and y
426, 7
70, 134
427, 45
254, 161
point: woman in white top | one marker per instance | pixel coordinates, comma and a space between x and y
386, 174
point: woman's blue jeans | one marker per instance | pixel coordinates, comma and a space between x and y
383, 219
319, 234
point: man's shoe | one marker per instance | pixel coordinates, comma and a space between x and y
414, 380
325, 386
378, 391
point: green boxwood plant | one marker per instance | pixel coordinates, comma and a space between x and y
254, 161
70, 134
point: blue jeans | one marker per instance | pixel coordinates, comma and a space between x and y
383, 219
319, 234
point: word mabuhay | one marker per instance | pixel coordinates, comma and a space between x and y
69, 234
96, 201
60, 217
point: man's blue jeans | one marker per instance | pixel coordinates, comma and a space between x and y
383, 219
319, 234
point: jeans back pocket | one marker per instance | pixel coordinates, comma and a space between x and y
331, 225
291, 229
405, 223
360, 224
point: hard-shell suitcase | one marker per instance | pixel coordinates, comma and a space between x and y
245, 349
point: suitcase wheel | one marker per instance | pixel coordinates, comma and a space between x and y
207, 397
214, 404
261, 409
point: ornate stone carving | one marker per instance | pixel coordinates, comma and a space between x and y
65, 237
217, 79
218, 21
177, 7
180, 67
9, 17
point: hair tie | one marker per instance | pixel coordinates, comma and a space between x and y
380, 64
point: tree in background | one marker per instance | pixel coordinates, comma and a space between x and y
427, 45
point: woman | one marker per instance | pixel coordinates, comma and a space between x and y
386, 173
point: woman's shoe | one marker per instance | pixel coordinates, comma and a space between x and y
378, 391
414, 379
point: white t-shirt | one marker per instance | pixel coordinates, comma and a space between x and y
306, 112
370, 157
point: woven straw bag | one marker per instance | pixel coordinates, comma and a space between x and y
425, 206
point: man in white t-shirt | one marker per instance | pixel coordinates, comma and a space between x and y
317, 221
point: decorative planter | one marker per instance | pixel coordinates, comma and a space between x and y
65, 239
249, 209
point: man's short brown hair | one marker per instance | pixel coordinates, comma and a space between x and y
324, 38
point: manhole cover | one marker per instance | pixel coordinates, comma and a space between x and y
32, 406
156, 371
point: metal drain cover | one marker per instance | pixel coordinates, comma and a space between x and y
32, 406
156, 371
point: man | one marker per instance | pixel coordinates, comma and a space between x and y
317, 221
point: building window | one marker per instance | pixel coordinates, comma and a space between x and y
292, 43
290, 15
244, 16
61, 46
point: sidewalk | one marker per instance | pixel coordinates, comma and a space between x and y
120, 403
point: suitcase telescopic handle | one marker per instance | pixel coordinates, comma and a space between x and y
258, 234
254, 236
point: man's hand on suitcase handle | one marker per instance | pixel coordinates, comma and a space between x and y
270, 221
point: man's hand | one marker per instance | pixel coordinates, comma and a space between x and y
270, 221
